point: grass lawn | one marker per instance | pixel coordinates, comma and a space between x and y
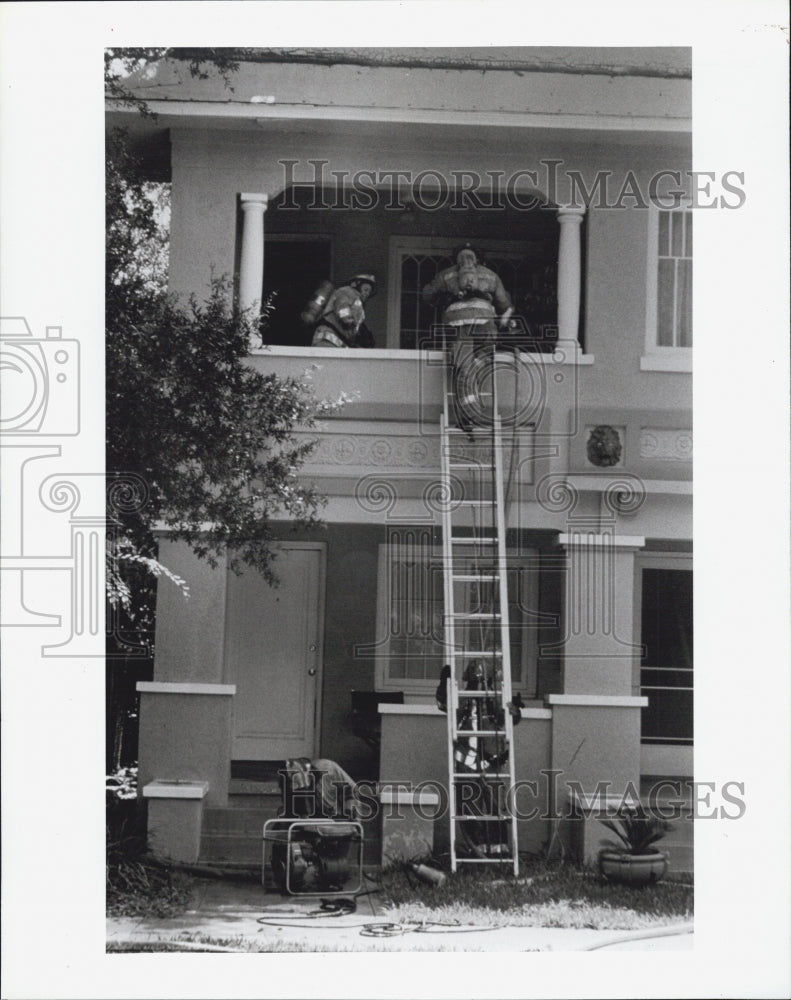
246, 945
117, 947
544, 895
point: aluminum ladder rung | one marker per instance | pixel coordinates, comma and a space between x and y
476, 615
475, 577
470, 734
502, 859
449, 394
477, 654
481, 560
470, 775
466, 819
474, 694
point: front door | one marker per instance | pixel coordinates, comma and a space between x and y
273, 655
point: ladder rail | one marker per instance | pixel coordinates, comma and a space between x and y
505, 631
449, 620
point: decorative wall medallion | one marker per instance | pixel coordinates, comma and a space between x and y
343, 450
604, 446
417, 453
381, 451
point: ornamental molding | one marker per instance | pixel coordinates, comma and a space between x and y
664, 445
378, 451
393, 451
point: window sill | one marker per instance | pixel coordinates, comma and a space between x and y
670, 362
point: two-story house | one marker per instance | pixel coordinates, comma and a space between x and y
568, 170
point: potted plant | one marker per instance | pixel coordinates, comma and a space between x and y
632, 860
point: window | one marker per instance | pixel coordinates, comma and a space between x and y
410, 604
666, 669
669, 293
528, 271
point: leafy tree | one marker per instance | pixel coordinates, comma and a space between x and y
197, 438
211, 438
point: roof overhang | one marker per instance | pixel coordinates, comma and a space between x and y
233, 115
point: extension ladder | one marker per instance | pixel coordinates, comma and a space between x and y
478, 698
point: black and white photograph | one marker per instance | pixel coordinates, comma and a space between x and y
348, 527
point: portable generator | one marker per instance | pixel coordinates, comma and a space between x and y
313, 857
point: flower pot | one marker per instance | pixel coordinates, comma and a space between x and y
633, 869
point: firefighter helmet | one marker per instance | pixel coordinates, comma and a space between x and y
363, 279
470, 249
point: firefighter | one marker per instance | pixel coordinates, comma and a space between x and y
342, 323
473, 301
324, 782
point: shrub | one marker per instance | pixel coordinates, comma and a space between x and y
137, 884
636, 830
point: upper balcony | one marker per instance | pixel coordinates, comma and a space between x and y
398, 384
308, 234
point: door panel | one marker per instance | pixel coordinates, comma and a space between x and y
273, 656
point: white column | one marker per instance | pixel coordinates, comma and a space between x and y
569, 272
251, 270
600, 651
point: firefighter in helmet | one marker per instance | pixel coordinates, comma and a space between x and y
474, 302
342, 324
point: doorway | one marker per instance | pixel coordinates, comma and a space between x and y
664, 612
294, 266
274, 655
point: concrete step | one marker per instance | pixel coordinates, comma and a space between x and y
230, 848
246, 787
237, 821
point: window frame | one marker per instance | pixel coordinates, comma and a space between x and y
397, 245
526, 561
657, 560
661, 357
